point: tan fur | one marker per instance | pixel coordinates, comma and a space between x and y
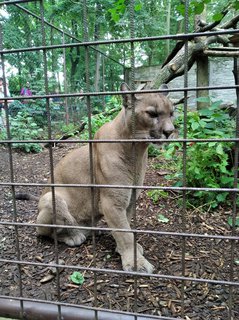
113, 164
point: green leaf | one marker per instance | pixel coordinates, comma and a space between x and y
77, 278
236, 5
237, 262
138, 6
162, 218
205, 112
195, 126
181, 9
230, 221
203, 99
221, 197
217, 16
199, 8
178, 184
219, 149
211, 144
226, 179
202, 123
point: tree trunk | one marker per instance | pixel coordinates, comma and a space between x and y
74, 57
176, 66
202, 80
98, 55
168, 26
202, 66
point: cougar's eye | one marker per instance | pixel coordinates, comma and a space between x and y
152, 114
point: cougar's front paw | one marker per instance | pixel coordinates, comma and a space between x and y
139, 247
73, 240
142, 264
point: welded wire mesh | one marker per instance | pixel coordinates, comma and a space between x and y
108, 292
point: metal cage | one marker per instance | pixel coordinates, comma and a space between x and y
139, 295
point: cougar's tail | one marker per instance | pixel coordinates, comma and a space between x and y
26, 196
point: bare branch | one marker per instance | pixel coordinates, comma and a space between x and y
232, 23
218, 39
207, 27
214, 53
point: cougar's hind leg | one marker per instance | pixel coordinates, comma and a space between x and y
72, 237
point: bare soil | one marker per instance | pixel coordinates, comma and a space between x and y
204, 258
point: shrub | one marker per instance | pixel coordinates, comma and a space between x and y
208, 163
112, 107
23, 127
36, 109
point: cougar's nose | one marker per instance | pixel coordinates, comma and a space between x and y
168, 133
168, 129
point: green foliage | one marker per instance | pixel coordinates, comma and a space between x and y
23, 127
230, 221
3, 134
216, 9
15, 107
196, 7
153, 151
156, 195
208, 163
120, 6
69, 129
77, 278
107, 19
36, 109
111, 109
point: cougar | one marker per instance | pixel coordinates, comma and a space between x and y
113, 163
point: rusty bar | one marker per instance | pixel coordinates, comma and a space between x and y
7, 141
184, 159
162, 233
115, 186
104, 93
130, 273
43, 310
122, 41
15, 1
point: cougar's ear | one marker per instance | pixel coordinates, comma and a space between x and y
163, 87
126, 97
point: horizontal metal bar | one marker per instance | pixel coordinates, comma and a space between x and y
16, 1
139, 231
178, 36
115, 186
109, 93
129, 273
39, 309
180, 140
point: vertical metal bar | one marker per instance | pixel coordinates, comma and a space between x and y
51, 162
134, 155
65, 82
235, 197
184, 206
88, 101
9, 145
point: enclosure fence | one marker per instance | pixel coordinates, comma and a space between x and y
109, 292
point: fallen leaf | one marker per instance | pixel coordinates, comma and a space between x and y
77, 277
162, 218
47, 278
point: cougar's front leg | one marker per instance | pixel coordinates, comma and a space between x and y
72, 237
114, 204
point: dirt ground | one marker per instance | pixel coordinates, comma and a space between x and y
205, 258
